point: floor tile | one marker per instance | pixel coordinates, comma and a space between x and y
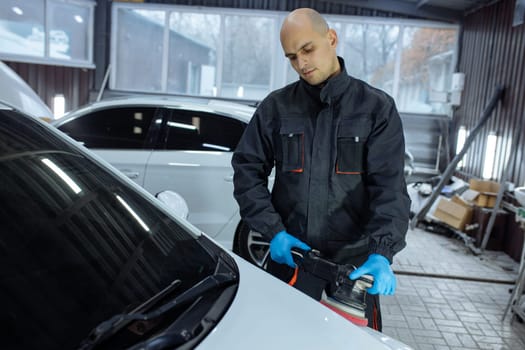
449, 298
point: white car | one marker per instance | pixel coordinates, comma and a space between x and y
15, 92
182, 144
90, 260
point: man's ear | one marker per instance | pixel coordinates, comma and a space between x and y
332, 38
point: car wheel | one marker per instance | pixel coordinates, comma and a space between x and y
252, 246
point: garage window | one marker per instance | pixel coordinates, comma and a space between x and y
118, 128
371, 48
247, 64
47, 32
235, 53
194, 51
426, 66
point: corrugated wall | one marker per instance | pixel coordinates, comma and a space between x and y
335, 7
48, 81
492, 53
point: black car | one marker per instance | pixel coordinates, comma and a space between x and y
79, 245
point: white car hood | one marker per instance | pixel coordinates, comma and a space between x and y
268, 314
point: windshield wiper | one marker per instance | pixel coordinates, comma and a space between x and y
109, 327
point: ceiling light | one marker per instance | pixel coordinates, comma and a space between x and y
59, 105
17, 10
490, 153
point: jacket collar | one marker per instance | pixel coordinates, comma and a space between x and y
333, 87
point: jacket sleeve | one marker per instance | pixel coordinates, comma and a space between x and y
385, 183
252, 163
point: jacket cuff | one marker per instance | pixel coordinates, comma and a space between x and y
272, 231
382, 250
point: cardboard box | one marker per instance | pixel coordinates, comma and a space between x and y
454, 212
470, 196
458, 200
483, 186
487, 192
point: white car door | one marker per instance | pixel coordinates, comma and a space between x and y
196, 163
131, 163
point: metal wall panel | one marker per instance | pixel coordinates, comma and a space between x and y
493, 53
48, 81
333, 7
426, 138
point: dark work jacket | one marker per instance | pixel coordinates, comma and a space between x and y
338, 154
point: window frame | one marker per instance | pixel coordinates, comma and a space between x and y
280, 67
275, 68
47, 59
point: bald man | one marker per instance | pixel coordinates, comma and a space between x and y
337, 147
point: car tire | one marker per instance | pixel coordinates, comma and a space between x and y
252, 246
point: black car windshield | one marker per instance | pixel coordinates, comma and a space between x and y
77, 243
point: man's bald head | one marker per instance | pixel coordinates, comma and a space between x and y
304, 17
310, 45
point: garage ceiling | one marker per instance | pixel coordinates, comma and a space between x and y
442, 10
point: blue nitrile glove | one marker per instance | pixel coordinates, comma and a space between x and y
379, 267
281, 248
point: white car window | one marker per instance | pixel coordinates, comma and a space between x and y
200, 131
116, 128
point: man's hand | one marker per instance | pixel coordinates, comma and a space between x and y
281, 248
379, 267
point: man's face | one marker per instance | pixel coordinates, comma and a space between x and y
312, 54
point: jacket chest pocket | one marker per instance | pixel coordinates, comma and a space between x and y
292, 138
351, 147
